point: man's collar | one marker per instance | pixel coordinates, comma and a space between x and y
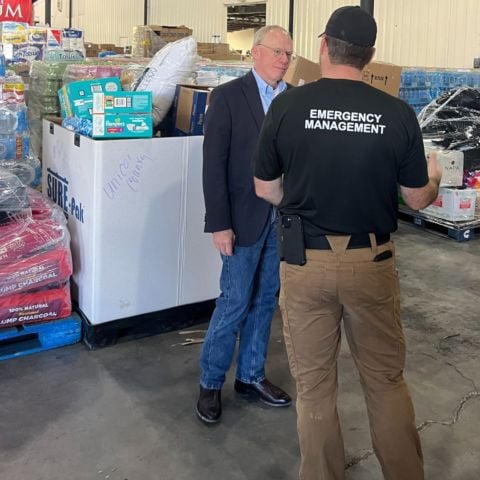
264, 86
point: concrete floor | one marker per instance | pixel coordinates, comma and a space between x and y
127, 412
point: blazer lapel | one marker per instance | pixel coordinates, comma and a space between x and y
250, 90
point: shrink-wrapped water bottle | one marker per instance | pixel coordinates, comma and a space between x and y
8, 124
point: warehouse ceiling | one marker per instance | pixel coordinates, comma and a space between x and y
241, 17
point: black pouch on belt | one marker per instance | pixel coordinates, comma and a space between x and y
291, 241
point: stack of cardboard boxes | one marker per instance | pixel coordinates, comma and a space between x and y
93, 49
217, 51
148, 39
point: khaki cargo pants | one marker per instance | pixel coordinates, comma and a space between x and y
348, 284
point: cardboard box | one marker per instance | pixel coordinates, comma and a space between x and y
452, 163
453, 205
122, 102
76, 98
171, 33
122, 125
210, 48
302, 71
106, 47
189, 108
384, 76
149, 39
90, 46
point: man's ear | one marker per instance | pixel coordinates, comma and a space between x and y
323, 45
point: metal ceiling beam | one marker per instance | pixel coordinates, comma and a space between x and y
290, 16
368, 5
48, 12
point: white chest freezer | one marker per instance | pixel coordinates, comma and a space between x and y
135, 214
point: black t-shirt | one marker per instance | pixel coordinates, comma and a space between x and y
343, 147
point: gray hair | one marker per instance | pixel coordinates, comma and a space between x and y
261, 33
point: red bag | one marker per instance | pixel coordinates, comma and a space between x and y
37, 306
54, 266
16, 11
26, 238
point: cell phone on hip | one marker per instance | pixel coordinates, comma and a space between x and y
383, 256
291, 240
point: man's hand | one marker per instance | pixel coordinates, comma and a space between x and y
224, 241
418, 198
434, 168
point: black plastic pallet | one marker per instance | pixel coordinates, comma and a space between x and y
139, 326
459, 231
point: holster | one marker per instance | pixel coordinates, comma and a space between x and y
290, 239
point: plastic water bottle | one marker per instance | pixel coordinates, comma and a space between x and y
2, 62
8, 124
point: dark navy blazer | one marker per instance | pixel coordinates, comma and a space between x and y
232, 125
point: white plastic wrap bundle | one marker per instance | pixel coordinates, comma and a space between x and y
173, 64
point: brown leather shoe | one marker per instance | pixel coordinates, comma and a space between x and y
209, 405
264, 391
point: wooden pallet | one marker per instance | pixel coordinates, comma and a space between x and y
459, 231
110, 333
32, 338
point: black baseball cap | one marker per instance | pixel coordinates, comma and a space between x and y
353, 25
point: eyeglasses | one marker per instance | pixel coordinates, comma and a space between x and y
279, 52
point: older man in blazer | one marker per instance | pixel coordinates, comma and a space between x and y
243, 229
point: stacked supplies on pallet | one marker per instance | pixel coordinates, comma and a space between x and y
15, 154
149, 39
127, 69
216, 73
35, 258
45, 80
451, 127
23, 44
420, 86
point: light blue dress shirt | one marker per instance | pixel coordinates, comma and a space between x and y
267, 93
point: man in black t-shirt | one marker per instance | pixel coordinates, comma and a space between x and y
332, 154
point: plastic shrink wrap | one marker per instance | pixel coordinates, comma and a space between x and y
35, 257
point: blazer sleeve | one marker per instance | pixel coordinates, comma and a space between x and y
216, 153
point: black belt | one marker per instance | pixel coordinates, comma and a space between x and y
357, 240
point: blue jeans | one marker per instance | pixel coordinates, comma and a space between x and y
249, 282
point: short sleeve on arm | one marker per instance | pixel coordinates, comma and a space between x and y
413, 167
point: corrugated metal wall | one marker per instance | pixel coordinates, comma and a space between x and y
441, 33
107, 21
310, 19
204, 17
431, 33
278, 12
435, 33
39, 11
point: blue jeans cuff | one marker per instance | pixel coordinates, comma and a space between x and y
211, 386
250, 380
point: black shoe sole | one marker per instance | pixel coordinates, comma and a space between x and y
206, 420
